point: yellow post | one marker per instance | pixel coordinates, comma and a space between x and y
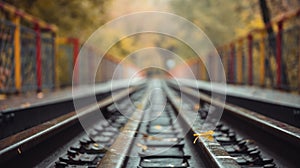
262, 58
125, 69
17, 53
299, 73
124, 75
198, 64
239, 62
224, 59
202, 69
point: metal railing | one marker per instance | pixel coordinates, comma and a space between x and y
28, 53
33, 58
270, 60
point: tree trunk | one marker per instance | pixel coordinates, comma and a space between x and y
272, 44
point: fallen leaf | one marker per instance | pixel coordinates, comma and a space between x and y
158, 127
207, 135
196, 107
153, 138
24, 105
40, 95
19, 151
143, 147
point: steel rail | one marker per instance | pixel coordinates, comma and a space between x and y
116, 155
22, 141
274, 136
214, 153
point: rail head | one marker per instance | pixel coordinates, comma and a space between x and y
279, 129
212, 150
22, 141
117, 153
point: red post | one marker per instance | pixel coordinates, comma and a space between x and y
250, 68
279, 53
91, 64
54, 59
75, 55
38, 58
231, 77
208, 67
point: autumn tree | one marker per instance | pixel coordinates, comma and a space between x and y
75, 18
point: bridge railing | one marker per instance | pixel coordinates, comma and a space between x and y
33, 58
260, 58
67, 51
29, 52
7, 59
110, 67
266, 59
291, 51
28, 59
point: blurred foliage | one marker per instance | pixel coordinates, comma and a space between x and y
278, 7
224, 21
74, 18
131, 44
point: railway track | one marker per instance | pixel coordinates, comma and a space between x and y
158, 139
272, 108
157, 131
43, 144
271, 139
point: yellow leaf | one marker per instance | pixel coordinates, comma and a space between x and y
144, 147
207, 135
158, 127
